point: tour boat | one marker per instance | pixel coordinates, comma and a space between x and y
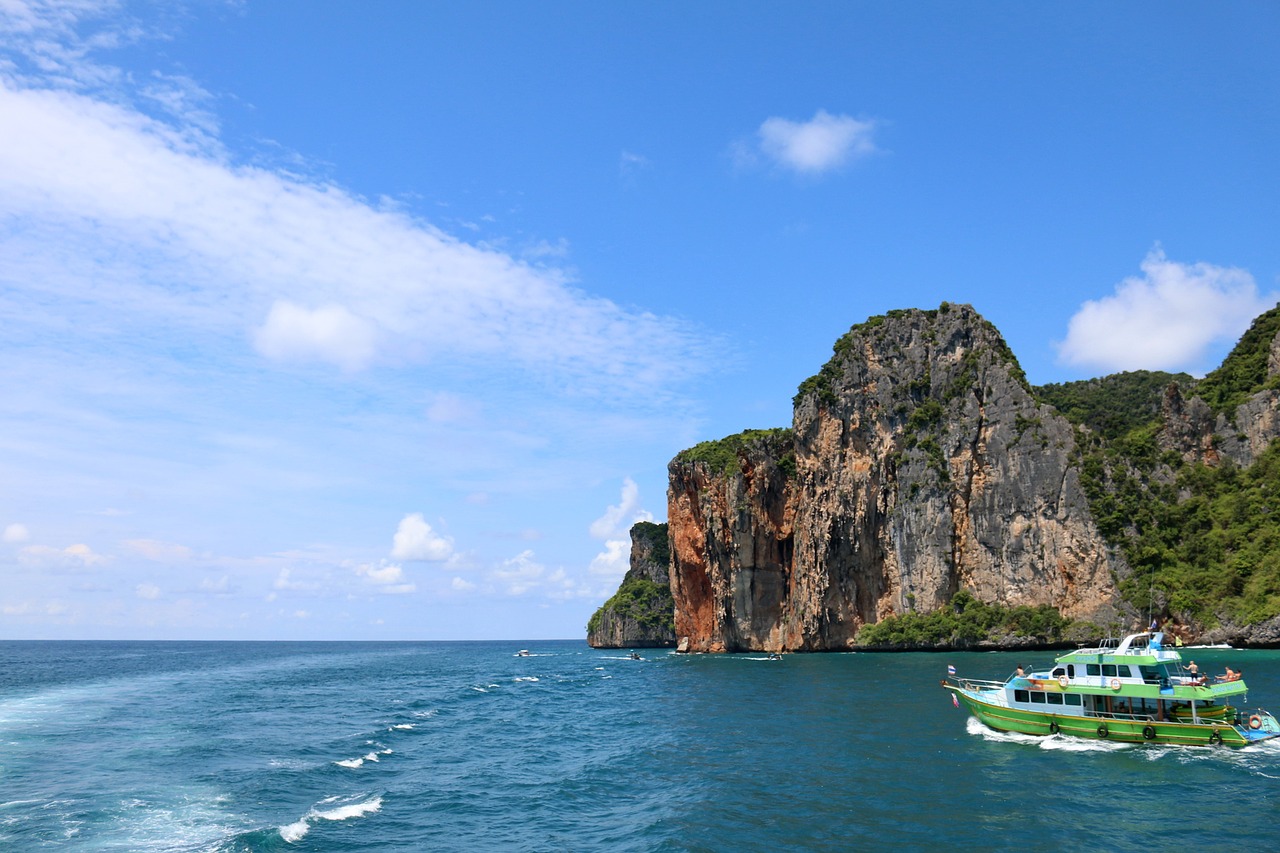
1133, 690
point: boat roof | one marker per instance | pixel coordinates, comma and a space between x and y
1147, 644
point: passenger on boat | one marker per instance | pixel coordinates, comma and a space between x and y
1231, 675
1022, 674
1193, 669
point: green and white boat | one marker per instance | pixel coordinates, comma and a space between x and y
1132, 690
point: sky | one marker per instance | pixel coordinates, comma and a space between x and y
381, 321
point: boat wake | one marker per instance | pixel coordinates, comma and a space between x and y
1061, 743
1261, 759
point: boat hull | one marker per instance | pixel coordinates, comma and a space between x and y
1209, 733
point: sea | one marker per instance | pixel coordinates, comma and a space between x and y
232, 747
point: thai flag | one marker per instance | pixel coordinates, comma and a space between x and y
951, 670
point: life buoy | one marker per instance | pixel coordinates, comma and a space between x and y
1255, 722
1115, 684
1215, 737
1063, 681
1149, 732
1053, 727
1102, 730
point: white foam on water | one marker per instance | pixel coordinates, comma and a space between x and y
350, 762
296, 831
353, 807
348, 810
527, 678
426, 714
479, 689
404, 727
1063, 743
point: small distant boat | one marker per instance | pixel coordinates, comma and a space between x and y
635, 656
523, 653
774, 656
1134, 690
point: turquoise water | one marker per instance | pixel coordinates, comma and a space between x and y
227, 747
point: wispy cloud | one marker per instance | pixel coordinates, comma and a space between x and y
313, 272
1165, 319
209, 343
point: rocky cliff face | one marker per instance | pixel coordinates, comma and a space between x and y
918, 464
1200, 435
639, 614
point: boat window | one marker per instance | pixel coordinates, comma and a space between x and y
1037, 697
1092, 669
1071, 670
1020, 696
1072, 699
1150, 674
1057, 672
1054, 698
1108, 669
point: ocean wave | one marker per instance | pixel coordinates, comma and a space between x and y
526, 678
369, 756
353, 807
403, 727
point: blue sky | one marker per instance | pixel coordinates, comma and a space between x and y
352, 321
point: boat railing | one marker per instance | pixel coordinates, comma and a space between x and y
977, 683
1124, 715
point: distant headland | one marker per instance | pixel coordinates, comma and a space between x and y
927, 497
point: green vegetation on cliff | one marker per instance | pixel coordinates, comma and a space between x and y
640, 600
1244, 371
721, 456
1113, 406
1208, 545
652, 537
968, 622
1203, 542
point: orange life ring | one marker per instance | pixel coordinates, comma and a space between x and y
1115, 684
1255, 722
1063, 681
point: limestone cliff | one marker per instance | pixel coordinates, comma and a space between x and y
639, 614
919, 463
1234, 412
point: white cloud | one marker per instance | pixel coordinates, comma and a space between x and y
461, 585
619, 519
519, 574
158, 551
151, 225
221, 586
821, 144
415, 540
73, 556
16, 533
1165, 319
614, 527
285, 581
614, 560
147, 591
447, 408
388, 577
329, 334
